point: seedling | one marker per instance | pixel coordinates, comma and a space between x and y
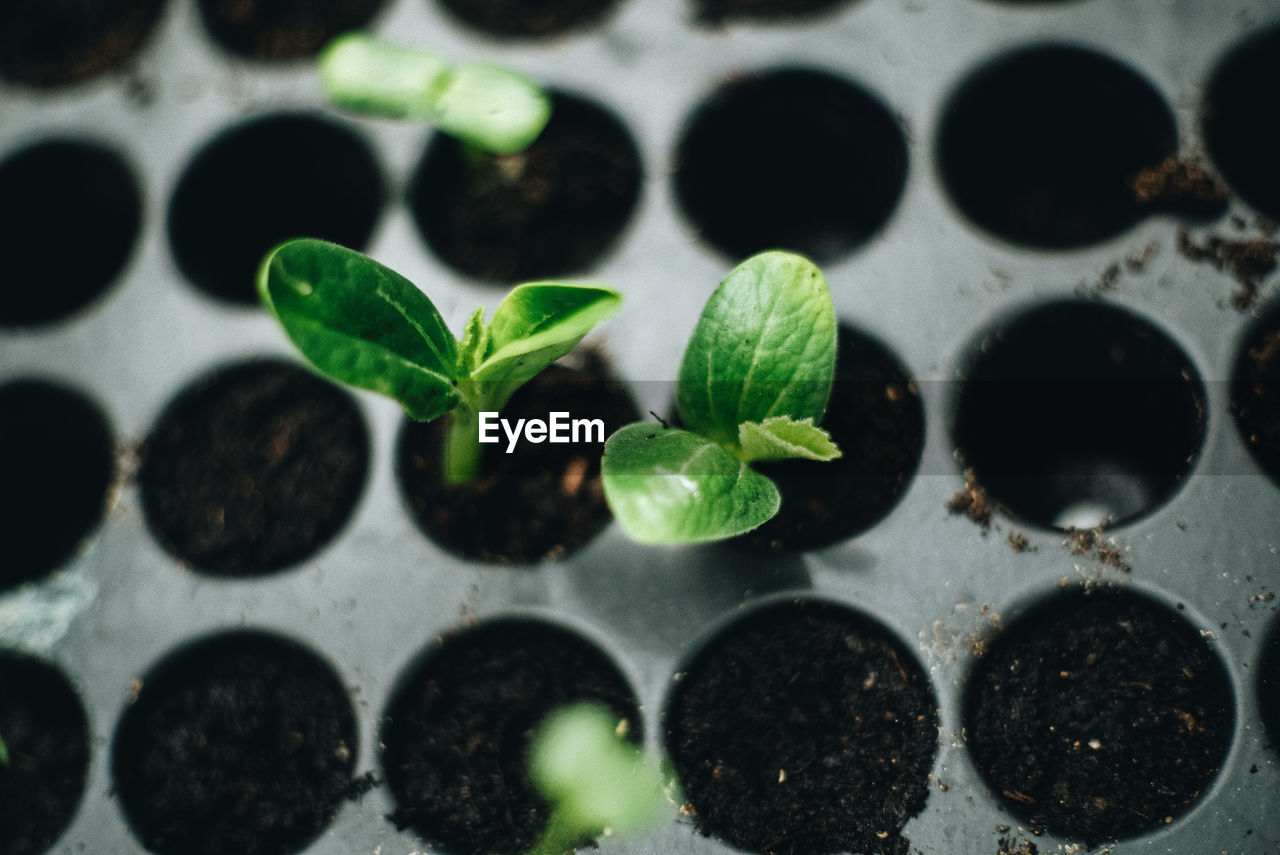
593, 779
753, 385
4, 754
488, 107
364, 324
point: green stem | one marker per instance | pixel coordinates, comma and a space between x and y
462, 451
560, 836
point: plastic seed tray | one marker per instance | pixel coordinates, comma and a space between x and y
1081, 361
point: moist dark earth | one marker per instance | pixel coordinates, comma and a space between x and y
804, 729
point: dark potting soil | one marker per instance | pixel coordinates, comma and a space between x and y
460, 722
1268, 684
552, 210
749, 182
69, 218
44, 727
282, 29
539, 502
270, 179
244, 742
57, 462
804, 729
1042, 146
49, 43
529, 18
876, 418
1255, 393
253, 468
1099, 715
719, 11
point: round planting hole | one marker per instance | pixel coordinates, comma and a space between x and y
242, 742
1239, 129
1255, 392
1079, 414
749, 181
57, 458
283, 29
46, 737
459, 724
1042, 146
804, 728
716, 12
541, 501
265, 181
49, 43
552, 210
70, 212
876, 417
253, 468
529, 18
1099, 715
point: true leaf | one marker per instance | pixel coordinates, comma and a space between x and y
362, 323
782, 438
764, 346
534, 326
672, 486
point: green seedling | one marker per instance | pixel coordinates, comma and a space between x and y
753, 386
4, 754
363, 324
593, 779
488, 107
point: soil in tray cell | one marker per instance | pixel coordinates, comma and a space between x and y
538, 502
239, 743
48, 43
46, 754
253, 468
1099, 715
459, 725
529, 19
1255, 392
804, 729
551, 210
283, 29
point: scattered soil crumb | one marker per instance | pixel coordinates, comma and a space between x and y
1011, 846
1248, 261
1018, 542
1262, 598
1091, 541
973, 502
1181, 183
1136, 260
1270, 347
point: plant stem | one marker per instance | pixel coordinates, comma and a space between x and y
462, 450
560, 836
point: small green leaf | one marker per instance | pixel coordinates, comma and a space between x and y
534, 326
782, 438
592, 777
362, 323
474, 343
764, 346
673, 486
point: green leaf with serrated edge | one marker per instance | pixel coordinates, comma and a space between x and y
536, 324
671, 486
784, 438
362, 323
764, 346
474, 343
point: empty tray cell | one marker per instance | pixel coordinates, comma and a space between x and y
253, 468
57, 462
1043, 146
1240, 124
49, 43
45, 755
876, 417
529, 19
275, 30
262, 182
70, 213
551, 210
792, 159
538, 501
1099, 714
1079, 414
1255, 392
459, 724
804, 728
240, 742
